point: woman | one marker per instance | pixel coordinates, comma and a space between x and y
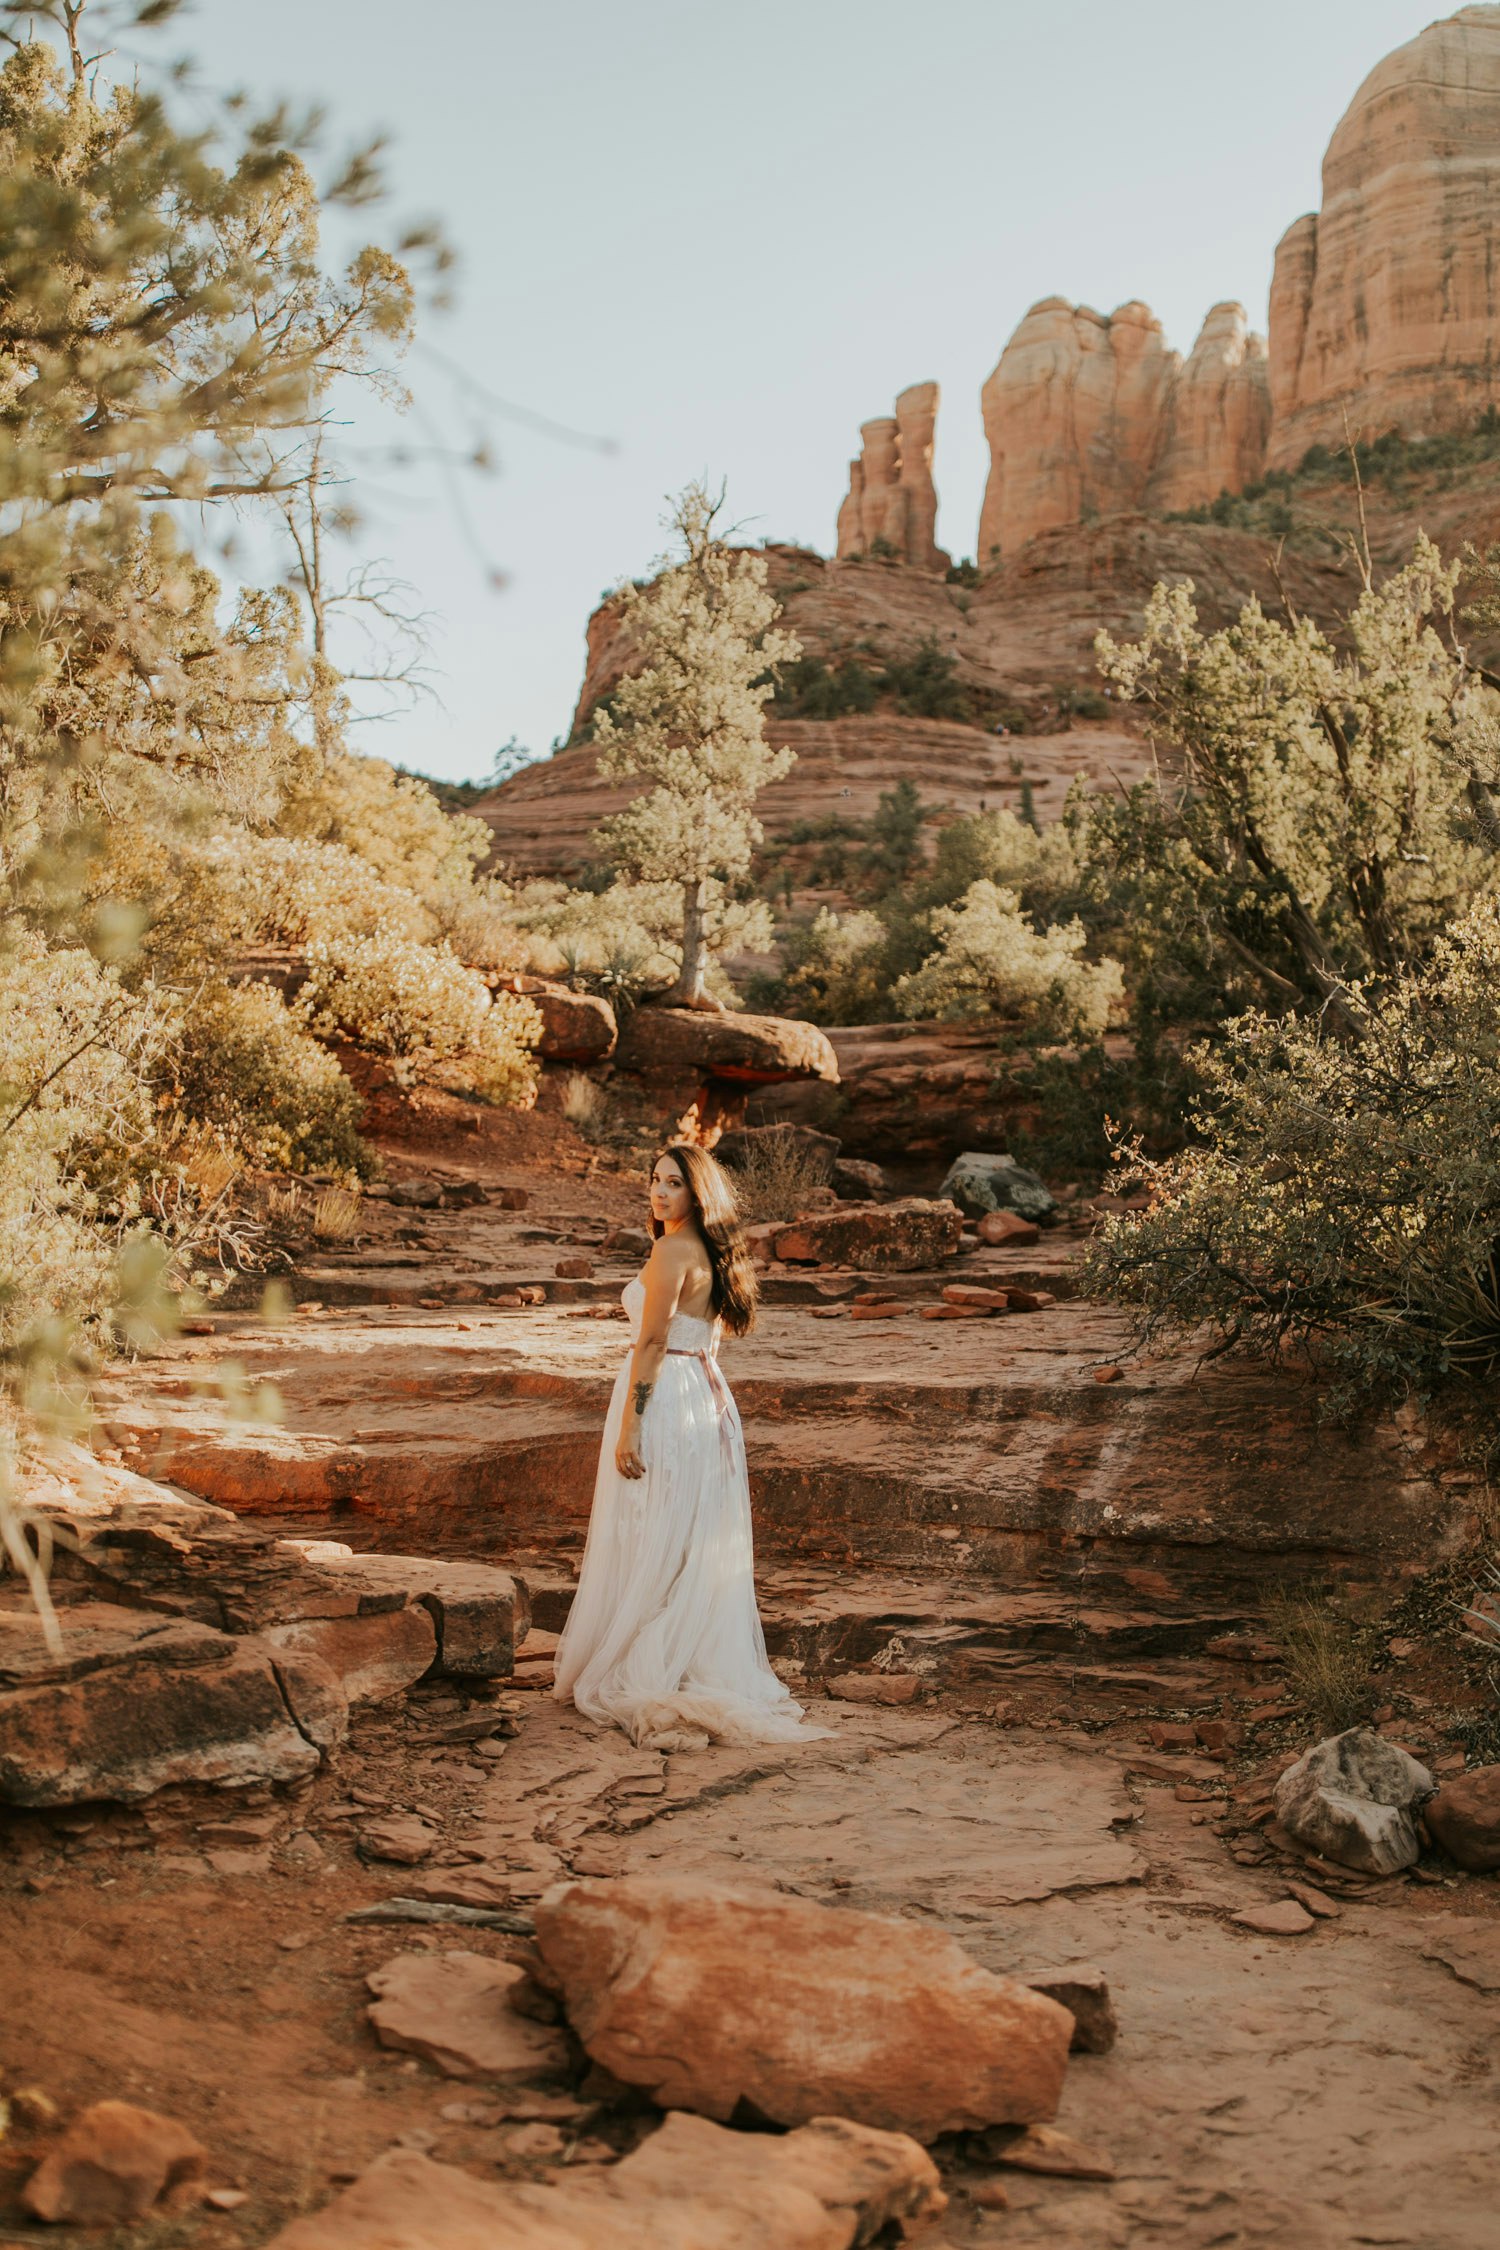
664, 1637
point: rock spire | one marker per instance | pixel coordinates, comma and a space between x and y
891, 494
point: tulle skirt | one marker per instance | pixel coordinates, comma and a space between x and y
664, 1638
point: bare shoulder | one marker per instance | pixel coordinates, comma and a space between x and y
675, 1253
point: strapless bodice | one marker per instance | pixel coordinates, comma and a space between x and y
685, 1331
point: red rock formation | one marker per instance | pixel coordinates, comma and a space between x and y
891, 495
1218, 415
1387, 303
1073, 413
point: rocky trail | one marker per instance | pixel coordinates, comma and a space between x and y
1020, 1577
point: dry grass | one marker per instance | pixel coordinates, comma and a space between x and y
585, 1105
335, 1215
1328, 1658
778, 1179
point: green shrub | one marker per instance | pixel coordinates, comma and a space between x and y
991, 960
420, 1006
926, 685
246, 1068
77, 1050
1346, 1195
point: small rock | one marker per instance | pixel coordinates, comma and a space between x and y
1109, 1374
1084, 1991
416, 1195
1219, 1734
990, 2196
981, 1181
1464, 1817
225, 2199
1282, 1918
451, 2008
31, 2107
574, 1269
891, 1310
1351, 1799
1164, 1736
857, 1180
875, 1687
1006, 1228
531, 2142
510, 1198
401, 1838
239, 1863
1316, 1902
627, 1242
981, 1299
1042, 2148
114, 2164
1030, 1300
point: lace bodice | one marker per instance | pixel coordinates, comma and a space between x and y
685, 1332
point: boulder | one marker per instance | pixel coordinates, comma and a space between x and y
683, 1044
804, 1144
134, 1701
577, 1027
829, 2186
978, 1182
454, 2009
375, 1656
416, 1195
1464, 1817
857, 1181
116, 2164
709, 1997
1351, 1799
478, 1613
900, 1237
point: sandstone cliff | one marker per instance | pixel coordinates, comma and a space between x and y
1385, 307
1387, 303
1073, 415
1218, 414
891, 494
1088, 416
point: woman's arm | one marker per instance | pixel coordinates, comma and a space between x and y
664, 1276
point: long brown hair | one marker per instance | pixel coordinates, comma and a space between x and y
716, 1214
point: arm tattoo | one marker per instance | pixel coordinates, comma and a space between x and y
642, 1393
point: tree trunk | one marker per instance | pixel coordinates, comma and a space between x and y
688, 991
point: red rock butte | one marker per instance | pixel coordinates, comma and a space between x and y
1384, 314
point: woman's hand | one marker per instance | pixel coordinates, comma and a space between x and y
627, 1453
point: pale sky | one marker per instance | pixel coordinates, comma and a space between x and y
723, 235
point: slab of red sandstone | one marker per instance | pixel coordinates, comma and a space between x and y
709, 1997
576, 1026
134, 1701
900, 1237
454, 2009
691, 2186
681, 1043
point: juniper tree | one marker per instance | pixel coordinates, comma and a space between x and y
690, 720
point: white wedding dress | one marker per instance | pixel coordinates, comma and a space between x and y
664, 1637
